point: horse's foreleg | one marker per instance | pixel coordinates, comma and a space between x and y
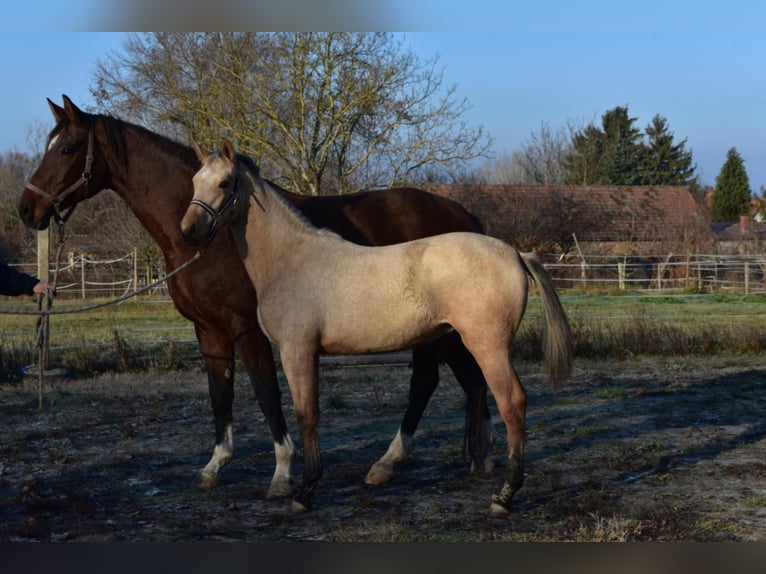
220, 376
479, 433
301, 369
423, 382
255, 351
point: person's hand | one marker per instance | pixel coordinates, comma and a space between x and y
42, 287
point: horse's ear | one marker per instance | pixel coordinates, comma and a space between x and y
201, 152
72, 112
227, 148
57, 111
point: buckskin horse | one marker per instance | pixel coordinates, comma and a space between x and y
361, 299
86, 153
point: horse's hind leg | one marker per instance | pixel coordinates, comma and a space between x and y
255, 352
479, 434
511, 402
423, 382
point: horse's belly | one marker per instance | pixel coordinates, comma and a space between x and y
373, 335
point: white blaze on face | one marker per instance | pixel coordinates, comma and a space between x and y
206, 187
54, 139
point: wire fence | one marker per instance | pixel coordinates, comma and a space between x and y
691, 273
86, 278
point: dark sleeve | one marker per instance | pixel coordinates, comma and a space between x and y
13, 282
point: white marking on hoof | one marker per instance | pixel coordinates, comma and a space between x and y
383, 469
498, 510
282, 482
222, 455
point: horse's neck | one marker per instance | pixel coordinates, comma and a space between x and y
156, 186
272, 233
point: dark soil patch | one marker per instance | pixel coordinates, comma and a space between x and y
648, 449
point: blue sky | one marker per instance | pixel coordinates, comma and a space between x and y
520, 64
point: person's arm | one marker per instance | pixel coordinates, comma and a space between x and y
14, 282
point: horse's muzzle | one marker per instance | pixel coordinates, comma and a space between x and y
30, 218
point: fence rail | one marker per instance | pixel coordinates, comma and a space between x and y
85, 278
703, 273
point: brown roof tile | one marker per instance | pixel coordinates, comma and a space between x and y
593, 213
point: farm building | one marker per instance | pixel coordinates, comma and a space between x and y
601, 219
748, 235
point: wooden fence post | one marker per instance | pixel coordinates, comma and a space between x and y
43, 274
82, 275
621, 275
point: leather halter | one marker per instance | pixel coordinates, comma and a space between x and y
57, 200
229, 203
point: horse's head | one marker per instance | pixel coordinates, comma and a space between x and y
216, 191
69, 172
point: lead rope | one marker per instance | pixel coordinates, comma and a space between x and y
43, 321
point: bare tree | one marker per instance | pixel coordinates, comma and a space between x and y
320, 112
15, 240
539, 161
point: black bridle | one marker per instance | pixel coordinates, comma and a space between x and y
228, 204
57, 200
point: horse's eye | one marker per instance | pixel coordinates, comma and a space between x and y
67, 150
224, 184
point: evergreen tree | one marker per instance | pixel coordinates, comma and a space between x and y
732, 190
665, 163
582, 165
609, 155
622, 158
616, 154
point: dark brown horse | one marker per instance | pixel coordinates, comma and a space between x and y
87, 153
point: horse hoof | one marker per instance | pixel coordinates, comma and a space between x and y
497, 510
205, 481
280, 489
379, 474
298, 507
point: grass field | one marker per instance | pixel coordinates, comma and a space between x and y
134, 335
145, 333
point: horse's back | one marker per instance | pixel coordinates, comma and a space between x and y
387, 217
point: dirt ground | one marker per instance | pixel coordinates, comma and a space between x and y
647, 449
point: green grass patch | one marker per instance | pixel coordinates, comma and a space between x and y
144, 333
135, 335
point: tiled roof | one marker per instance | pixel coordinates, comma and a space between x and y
744, 230
593, 213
